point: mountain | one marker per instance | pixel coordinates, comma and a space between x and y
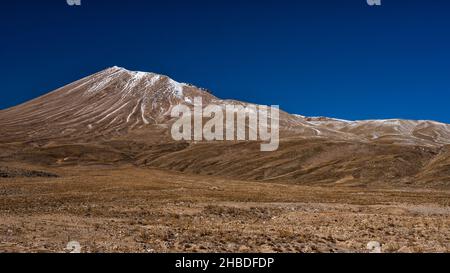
118, 117
105, 104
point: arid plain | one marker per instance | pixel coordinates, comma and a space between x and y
135, 210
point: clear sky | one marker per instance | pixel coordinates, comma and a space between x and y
338, 58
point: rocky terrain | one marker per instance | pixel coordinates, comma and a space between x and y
140, 210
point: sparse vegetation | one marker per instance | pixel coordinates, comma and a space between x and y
137, 210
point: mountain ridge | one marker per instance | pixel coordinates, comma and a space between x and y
118, 116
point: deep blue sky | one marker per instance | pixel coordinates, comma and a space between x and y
339, 58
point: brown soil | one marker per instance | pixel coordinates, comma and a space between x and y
131, 209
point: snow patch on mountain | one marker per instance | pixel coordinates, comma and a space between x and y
177, 88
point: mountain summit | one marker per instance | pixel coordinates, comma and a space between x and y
110, 102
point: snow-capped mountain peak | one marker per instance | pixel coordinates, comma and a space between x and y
116, 101
112, 101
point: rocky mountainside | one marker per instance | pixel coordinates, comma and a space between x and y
117, 117
108, 103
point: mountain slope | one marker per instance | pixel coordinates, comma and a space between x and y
105, 104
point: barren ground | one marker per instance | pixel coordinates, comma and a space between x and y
143, 210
